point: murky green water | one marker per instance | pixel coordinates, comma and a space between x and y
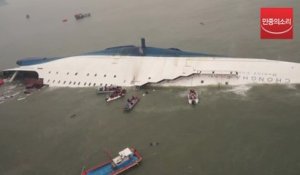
231, 131
240, 130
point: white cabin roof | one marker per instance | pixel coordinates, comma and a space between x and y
126, 152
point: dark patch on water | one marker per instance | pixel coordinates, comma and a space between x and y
3, 2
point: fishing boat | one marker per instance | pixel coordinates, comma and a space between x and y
127, 158
193, 97
82, 15
116, 95
107, 89
131, 103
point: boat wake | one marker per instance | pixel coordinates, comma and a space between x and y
155, 109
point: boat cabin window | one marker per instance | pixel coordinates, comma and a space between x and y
149, 78
49, 72
94, 84
58, 81
65, 82
89, 84
48, 81
115, 76
87, 74
202, 81
104, 75
84, 83
74, 83
95, 75
76, 73
67, 73
56, 72
78, 83
53, 81
70, 82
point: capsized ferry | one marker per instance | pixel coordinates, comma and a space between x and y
139, 66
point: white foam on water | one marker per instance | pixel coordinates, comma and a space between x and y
22, 98
291, 86
239, 90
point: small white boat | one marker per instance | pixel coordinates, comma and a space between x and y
115, 95
193, 97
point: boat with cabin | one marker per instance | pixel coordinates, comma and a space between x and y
127, 159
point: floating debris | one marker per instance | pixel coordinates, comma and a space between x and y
73, 116
154, 143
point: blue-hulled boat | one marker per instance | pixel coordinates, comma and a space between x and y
127, 158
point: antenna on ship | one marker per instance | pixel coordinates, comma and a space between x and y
143, 46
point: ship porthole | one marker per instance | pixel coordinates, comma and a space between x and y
226, 83
202, 81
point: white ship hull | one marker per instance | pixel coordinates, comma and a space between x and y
87, 71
